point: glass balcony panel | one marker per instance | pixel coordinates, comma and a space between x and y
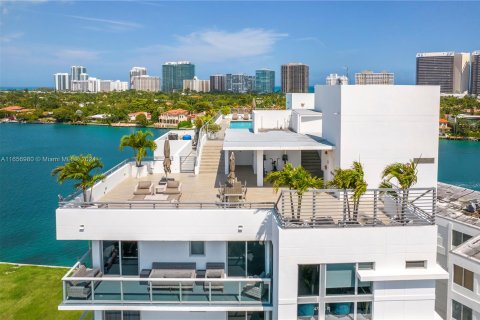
107, 290
339, 310
229, 292
364, 310
135, 291
364, 287
254, 291
307, 311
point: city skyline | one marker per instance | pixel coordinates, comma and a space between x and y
39, 39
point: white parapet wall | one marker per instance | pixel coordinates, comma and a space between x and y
271, 120
300, 101
380, 125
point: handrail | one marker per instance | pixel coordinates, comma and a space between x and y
201, 133
166, 205
136, 279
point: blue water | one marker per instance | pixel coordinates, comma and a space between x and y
241, 124
28, 194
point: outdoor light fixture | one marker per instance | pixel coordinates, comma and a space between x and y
240, 229
285, 157
81, 228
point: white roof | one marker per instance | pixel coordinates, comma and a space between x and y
244, 139
307, 112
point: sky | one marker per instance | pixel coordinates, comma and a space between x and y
40, 38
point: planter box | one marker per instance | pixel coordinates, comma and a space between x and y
139, 172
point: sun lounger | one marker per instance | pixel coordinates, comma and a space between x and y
143, 188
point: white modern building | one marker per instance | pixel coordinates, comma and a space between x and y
62, 81
369, 77
136, 72
196, 85
334, 79
458, 251
146, 83
190, 247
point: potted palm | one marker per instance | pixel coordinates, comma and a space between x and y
79, 168
140, 143
350, 179
297, 179
212, 130
406, 176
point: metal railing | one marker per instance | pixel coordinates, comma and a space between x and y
135, 289
187, 163
377, 207
202, 132
165, 205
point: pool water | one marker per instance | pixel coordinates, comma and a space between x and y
241, 125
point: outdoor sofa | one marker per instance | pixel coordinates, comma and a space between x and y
143, 188
214, 270
173, 270
82, 289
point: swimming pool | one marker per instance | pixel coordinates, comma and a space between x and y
241, 125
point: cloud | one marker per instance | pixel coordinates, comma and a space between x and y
311, 39
77, 54
10, 37
218, 45
112, 25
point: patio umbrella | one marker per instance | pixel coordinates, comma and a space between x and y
166, 162
231, 168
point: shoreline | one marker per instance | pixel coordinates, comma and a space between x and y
113, 125
33, 265
455, 138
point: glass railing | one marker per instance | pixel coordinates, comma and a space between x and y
167, 290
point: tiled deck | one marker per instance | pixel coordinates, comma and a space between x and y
197, 188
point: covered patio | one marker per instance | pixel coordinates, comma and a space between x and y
269, 150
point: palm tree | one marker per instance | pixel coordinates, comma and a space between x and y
295, 178
354, 179
79, 168
139, 142
406, 176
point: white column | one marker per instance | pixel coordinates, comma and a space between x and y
254, 156
97, 254
226, 161
259, 168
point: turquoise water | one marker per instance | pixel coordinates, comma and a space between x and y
28, 194
241, 124
459, 163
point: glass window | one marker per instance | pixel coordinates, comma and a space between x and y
131, 315
129, 258
255, 315
461, 312
339, 310
236, 259
256, 259
308, 280
113, 315
364, 287
458, 238
249, 315
416, 264
111, 259
307, 311
366, 265
236, 315
340, 279
197, 248
463, 277
364, 310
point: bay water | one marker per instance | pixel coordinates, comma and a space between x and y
28, 192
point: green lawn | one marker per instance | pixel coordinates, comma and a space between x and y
30, 292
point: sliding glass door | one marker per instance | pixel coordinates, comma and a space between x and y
120, 257
247, 258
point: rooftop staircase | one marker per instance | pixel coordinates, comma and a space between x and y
213, 159
312, 163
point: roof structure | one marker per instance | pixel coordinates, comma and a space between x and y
244, 139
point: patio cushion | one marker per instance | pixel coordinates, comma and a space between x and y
173, 184
144, 184
171, 191
142, 191
215, 273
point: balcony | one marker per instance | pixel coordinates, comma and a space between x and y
124, 290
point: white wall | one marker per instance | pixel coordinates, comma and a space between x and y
270, 119
300, 101
164, 224
380, 125
111, 181
311, 124
388, 247
179, 251
243, 158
